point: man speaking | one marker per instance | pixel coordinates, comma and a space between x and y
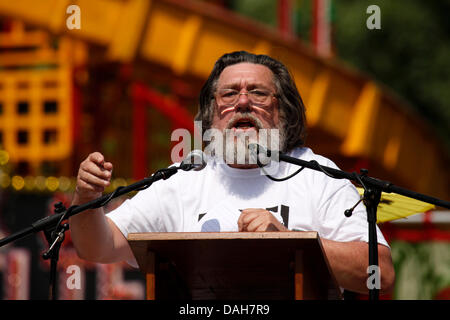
245, 97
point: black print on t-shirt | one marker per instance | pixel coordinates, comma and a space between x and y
284, 212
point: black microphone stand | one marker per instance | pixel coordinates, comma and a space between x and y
373, 188
54, 229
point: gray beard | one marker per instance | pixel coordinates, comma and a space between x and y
233, 147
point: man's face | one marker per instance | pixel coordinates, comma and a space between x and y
245, 77
245, 103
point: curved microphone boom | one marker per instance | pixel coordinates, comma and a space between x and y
257, 149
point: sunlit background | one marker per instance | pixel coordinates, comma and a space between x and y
375, 99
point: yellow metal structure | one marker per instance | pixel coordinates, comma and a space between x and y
36, 117
35, 96
394, 206
361, 117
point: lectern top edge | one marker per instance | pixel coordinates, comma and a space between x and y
221, 235
234, 265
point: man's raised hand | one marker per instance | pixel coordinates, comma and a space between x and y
94, 175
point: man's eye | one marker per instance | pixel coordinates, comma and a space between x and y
259, 93
229, 94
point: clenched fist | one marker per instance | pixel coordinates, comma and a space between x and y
94, 175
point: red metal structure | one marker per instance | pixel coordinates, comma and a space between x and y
142, 98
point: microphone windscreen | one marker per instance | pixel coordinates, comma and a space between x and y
195, 160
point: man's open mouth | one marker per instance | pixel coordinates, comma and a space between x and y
244, 123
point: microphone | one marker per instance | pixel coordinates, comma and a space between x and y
260, 155
258, 149
195, 160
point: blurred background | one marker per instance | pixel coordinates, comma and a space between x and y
131, 73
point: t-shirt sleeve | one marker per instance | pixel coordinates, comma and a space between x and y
138, 214
336, 196
155, 209
336, 226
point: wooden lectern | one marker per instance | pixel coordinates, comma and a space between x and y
234, 265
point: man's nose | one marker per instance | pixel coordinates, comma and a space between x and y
243, 103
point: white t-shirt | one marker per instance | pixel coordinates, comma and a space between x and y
211, 200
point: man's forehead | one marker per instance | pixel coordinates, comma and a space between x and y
246, 73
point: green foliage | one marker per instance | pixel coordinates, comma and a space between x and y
410, 54
422, 270
303, 19
261, 10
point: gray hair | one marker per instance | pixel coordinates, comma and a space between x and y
292, 109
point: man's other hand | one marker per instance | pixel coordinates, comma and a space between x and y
259, 220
